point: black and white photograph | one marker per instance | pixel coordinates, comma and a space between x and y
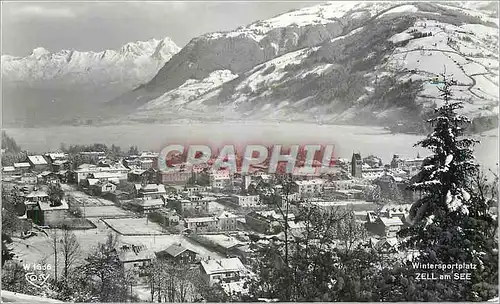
249, 151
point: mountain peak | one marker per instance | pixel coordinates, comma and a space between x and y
39, 52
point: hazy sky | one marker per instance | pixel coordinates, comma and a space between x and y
95, 26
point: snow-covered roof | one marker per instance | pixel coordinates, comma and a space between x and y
21, 165
37, 193
56, 155
175, 249
227, 214
200, 219
310, 182
393, 221
106, 175
222, 266
149, 202
45, 206
151, 188
92, 181
131, 253
137, 171
37, 160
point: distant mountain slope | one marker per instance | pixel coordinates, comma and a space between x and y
46, 82
337, 62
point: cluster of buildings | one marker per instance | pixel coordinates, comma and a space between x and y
218, 204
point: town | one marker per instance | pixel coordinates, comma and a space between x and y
203, 219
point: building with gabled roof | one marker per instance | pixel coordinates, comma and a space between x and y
133, 256
223, 271
38, 162
178, 253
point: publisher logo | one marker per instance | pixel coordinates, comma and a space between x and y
35, 277
37, 280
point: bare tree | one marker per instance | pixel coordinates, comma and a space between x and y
70, 249
53, 242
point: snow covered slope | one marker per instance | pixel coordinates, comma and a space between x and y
335, 62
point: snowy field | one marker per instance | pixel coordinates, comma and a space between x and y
39, 248
84, 199
134, 226
105, 211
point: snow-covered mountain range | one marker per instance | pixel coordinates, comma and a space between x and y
339, 62
133, 64
69, 86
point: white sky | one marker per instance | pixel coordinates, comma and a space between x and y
95, 26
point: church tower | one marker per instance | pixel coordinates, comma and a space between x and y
356, 165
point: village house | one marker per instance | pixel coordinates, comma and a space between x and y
58, 161
175, 177
313, 187
47, 177
349, 194
22, 167
61, 165
388, 183
178, 254
223, 271
38, 163
150, 191
373, 161
132, 162
29, 178
385, 227
137, 257
149, 176
192, 204
354, 205
384, 245
8, 170
92, 157
31, 201
146, 206
227, 221
194, 190
220, 179
202, 224
85, 170
51, 214
268, 222
113, 177
245, 201
396, 210
296, 228
169, 216
373, 173
101, 187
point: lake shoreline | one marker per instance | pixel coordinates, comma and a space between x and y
154, 137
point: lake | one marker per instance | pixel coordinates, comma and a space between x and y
347, 139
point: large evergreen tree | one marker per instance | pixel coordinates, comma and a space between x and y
451, 223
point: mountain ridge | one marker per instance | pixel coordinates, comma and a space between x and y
68, 86
387, 44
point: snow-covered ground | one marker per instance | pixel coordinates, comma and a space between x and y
191, 90
135, 226
104, 212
